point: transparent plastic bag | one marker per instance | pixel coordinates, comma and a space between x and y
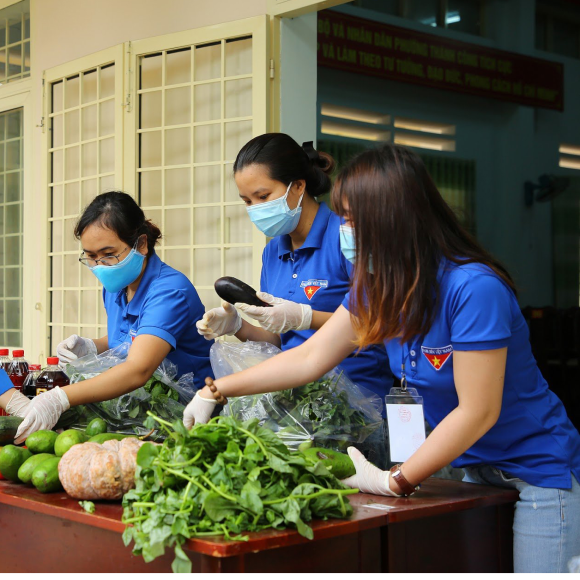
333, 412
162, 395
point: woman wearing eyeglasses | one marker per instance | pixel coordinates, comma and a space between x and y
148, 303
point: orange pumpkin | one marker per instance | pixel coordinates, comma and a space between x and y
93, 471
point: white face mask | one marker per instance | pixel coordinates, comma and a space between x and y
275, 218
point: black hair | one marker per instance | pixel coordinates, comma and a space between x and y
119, 212
286, 161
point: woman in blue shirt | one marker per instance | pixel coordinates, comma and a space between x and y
148, 303
448, 315
304, 275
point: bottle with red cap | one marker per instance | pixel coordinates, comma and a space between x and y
18, 369
51, 376
29, 386
5, 360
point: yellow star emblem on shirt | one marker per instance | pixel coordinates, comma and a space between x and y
436, 362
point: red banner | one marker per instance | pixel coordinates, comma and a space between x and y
367, 47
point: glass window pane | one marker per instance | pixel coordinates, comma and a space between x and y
13, 124
150, 149
71, 127
231, 189
178, 186
71, 198
57, 165
238, 226
238, 57
151, 67
207, 102
72, 163
106, 183
207, 184
2, 32
150, 110
89, 191
56, 236
72, 268
57, 131
15, 60
107, 118
89, 163
237, 134
89, 307
14, 29
13, 315
238, 263
107, 81
26, 62
26, 25
206, 225
90, 86
177, 227
12, 282
89, 122
57, 95
178, 146
3, 59
1, 192
206, 267
178, 67
13, 154
13, 186
13, 225
70, 243
56, 271
72, 92
150, 188
71, 306
238, 98
207, 64
12, 256
178, 106
180, 260
57, 200
207, 143
107, 147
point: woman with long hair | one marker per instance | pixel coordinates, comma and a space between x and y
423, 285
148, 304
304, 277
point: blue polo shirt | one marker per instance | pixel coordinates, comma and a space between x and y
5, 382
165, 305
533, 438
319, 275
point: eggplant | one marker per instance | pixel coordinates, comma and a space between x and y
233, 290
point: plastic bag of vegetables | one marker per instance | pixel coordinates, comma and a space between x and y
333, 412
162, 395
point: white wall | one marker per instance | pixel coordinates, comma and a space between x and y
510, 143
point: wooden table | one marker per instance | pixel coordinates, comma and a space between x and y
446, 527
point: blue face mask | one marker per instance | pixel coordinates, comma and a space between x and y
275, 218
348, 245
115, 278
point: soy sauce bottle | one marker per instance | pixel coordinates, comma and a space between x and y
18, 369
29, 386
51, 376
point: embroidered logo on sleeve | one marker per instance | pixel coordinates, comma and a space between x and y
311, 287
437, 357
133, 334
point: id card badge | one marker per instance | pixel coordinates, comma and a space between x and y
405, 422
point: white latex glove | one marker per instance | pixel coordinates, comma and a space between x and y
74, 347
18, 405
219, 321
43, 413
368, 477
199, 410
281, 317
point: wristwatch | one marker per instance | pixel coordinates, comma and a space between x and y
406, 488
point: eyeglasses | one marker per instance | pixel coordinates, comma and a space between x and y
106, 261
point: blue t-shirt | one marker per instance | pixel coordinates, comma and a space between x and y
533, 438
5, 382
165, 305
318, 274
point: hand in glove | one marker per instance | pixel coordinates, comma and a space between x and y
368, 478
219, 321
18, 405
199, 410
43, 413
74, 347
283, 316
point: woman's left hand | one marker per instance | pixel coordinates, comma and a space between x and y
43, 412
198, 410
282, 316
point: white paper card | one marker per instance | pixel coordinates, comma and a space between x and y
379, 506
406, 430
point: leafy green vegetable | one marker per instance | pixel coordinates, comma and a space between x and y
223, 478
319, 411
88, 506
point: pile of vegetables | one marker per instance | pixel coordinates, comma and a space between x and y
224, 478
127, 413
319, 411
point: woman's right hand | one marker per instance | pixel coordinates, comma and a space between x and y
74, 347
219, 321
